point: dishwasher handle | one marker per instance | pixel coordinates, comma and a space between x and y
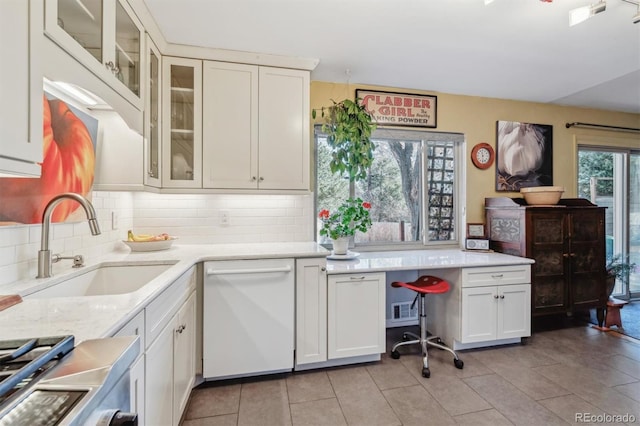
248, 271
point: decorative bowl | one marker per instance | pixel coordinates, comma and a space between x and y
542, 195
149, 245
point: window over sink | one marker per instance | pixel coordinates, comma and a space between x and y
413, 188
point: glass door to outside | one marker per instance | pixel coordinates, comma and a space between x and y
611, 179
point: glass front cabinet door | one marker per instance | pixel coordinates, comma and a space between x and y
152, 116
127, 49
182, 123
103, 35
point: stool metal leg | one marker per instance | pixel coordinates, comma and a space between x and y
425, 342
423, 337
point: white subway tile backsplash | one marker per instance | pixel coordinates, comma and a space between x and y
72, 244
35, 233
24, 252
14, 235
97, 202
63, 230
193, 218
11, 273
7, 255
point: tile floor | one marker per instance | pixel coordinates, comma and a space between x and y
546, 382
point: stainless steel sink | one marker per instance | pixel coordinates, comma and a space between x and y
104, 280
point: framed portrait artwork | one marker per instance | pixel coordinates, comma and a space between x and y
524, 155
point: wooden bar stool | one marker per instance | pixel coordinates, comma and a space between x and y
424, 285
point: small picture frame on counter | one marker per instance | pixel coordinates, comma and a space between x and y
475, 230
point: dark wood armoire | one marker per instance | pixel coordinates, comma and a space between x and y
566, 240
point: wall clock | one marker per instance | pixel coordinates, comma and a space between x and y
482, 155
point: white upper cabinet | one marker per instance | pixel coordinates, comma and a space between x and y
230, 127
284, 129
103, 35
20, 88
255, 127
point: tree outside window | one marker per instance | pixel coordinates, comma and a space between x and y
395, 187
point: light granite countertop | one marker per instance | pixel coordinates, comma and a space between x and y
386, 261
88, 317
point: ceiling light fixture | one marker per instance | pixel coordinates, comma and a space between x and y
581, 14
77, 93
78, 96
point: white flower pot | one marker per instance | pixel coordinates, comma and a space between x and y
340, 245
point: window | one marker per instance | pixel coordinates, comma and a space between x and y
411, 185
610, 177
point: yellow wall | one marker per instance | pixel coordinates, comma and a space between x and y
476, 117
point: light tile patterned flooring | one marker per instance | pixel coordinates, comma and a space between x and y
546, 382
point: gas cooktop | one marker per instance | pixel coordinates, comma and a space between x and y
23, 361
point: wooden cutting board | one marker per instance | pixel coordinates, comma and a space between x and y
9, 300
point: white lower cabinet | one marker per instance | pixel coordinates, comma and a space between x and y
184, 357
163, 375
493, 313
170, 368
340, 319
355, 315
485, 306
136, 396
135, 327
311, 311
159, 378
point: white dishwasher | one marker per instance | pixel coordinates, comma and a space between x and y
248, 317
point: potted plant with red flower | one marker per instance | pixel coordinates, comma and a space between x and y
351, 216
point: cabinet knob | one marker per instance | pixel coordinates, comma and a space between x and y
502, 296
253, 178
495, 296
323, 269
261, 178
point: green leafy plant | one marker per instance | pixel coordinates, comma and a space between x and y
349, 126
619, 266
351, 216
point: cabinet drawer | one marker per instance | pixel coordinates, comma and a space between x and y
478, 277
160, 310
135, 327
